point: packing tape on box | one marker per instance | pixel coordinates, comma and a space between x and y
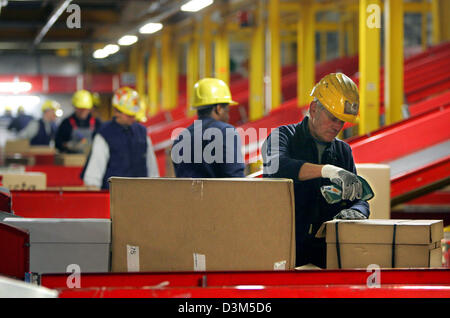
133, 258
279, 266
199, 262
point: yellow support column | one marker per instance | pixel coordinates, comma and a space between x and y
222, 54
256, 77
206, 60
393, 72
152, 81
192, 68
305, 53
275, 61
424, 28
341, 35
323, 46
436, 21
166, 56
369, 64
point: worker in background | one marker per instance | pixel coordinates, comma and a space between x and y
7, 117
310, 154
75, 133
210, 147
20, 121
41, 132
121, 148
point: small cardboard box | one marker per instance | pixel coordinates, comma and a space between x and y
57, 243
41, 150
176, 224
379, 178
70, 160
17, 146
24, 181
386, 243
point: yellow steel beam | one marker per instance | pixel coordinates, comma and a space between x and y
369, 64
274, 54
192, 68
206, 48
222, 55
168, 79
393, 74
435, 17
323, 46
305, 53
153, 81
256, 76
424, 29
341, 36
445, 20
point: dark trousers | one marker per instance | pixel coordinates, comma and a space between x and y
311, 250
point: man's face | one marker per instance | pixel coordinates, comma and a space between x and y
223, 111
124, 119
323, 125
50, 115
82, 113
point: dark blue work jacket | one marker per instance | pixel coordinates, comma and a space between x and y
196, 154
296, 147
42, 138
127, 150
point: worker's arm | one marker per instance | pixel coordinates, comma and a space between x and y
63, 135
97, 163
152, 165
30, 131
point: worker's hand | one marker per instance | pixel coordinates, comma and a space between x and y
350, 214
351, 186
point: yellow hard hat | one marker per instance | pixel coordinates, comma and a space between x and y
82, 99
211, 91
339, 95
96, 99
126, 100
50, 104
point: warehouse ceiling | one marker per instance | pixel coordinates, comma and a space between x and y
26, 25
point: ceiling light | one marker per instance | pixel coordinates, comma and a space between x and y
150, 28
111, 48
100, 54
15, 87
196, 5
127, 40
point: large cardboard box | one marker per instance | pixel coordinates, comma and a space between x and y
379, 178
386, 243
57, 243
41, 150
175, 224
70, 160
24, 181
16, 146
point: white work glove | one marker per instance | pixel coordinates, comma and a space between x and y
350, 214
351, 186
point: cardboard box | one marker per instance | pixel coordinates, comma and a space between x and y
379, 178
176, 224
16, 146
58, 243
41, 150
24, 181
359, 243
70, 160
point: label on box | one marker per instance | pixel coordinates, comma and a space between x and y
199, 262
133, 258
279, 266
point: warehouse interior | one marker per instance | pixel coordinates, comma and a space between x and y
271, 54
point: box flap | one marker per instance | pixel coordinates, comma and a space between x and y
53, 230
381, 231
215, 224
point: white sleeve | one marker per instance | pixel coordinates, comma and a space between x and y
152, 165
98, 162
30, 131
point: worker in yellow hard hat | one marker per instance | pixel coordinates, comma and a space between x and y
210, 147
121, 148
7, 117
20, 121
41, 132
310, 154
75, 133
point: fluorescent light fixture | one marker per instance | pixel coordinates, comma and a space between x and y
127, 40
196, 5
15, 87
111, 49
27, 101
100, 54
150, 28
59, 112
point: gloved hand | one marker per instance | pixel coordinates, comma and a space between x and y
351, 186
350, 214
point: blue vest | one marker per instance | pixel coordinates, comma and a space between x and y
42, 138
127, 150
